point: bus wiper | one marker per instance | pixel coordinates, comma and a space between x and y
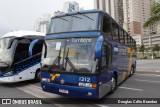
76, 17
57, 60
69, 62
87, 17
64, 19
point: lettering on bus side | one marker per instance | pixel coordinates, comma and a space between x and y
81, 40
84, 79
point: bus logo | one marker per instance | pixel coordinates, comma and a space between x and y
54, 76
62, 81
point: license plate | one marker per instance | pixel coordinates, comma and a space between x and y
63, 91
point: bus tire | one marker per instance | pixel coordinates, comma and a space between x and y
113, 83
132, 72
38, 75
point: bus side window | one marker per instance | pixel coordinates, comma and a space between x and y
109, 55
106, 56
103, 62
115, 32
121, 36
107, 26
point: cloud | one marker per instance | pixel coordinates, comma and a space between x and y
4, 26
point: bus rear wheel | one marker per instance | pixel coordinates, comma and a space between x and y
132, 71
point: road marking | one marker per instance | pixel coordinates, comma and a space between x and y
131, 89
39, 93
148, 81
35, 86
156, 75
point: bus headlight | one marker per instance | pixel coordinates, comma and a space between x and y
89, 85
45, 80
8, 73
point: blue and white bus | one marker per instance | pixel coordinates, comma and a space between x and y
86, 54
20, 55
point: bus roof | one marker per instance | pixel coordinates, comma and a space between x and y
22, 33
80, 12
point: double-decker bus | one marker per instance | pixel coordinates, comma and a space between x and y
20, 55
86, 54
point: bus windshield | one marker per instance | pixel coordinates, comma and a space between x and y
6, 54
71, 23
76, 54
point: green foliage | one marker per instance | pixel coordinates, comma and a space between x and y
156, 48
142, 48
155, 15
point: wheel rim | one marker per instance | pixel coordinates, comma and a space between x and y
113, 83
131, 71
39, 76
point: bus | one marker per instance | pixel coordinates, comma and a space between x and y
20, 55
86, 54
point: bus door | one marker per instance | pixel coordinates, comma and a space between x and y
34, 53
21, 53
106, 71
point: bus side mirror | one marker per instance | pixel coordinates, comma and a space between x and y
10, 43
45, 50
98, 48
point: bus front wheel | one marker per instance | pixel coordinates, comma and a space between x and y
113, 84
38, 76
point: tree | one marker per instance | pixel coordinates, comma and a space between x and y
154, 18
142, 49
156, 48
155, 15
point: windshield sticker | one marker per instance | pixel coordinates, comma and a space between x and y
58, 45
72, 53
115, 49
83, 40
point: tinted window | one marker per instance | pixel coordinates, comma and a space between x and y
128, 40
107, 26
109, 55
104, 55
79, 22
125, 36
121, 37
115, 32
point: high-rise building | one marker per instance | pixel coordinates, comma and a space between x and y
70, 6
136, 13
113, 7
42, 23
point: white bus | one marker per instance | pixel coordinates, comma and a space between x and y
20, 55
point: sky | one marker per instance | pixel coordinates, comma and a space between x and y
22, 14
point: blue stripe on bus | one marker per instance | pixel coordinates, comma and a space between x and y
76, 34
69, 78
77, 92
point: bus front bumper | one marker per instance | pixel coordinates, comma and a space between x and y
9, 79
71, 91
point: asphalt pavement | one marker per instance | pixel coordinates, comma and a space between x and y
148, 66
137, 86
145, 83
